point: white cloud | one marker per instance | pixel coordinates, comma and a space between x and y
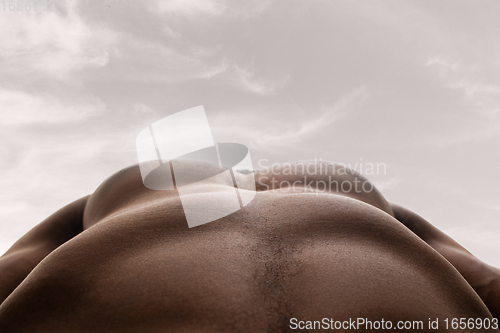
248, 80
478, 102
212, 71
483, 241
51, 43
192, 7
328, 116
483, 96
443, 65
172, 63
263, 132
19, 108
215, 8
142, 108
153, 61
387, 184
472, 89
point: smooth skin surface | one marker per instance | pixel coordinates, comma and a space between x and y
124, 260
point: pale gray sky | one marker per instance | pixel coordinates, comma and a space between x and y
412, 84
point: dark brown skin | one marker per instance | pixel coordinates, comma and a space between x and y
137, 267
28, 251
485, 279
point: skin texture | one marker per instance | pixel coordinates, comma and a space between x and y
124, 260
484, 278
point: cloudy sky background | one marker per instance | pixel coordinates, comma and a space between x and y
412, 84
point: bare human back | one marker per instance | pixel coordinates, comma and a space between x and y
124, 260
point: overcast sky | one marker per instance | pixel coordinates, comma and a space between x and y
412, 84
